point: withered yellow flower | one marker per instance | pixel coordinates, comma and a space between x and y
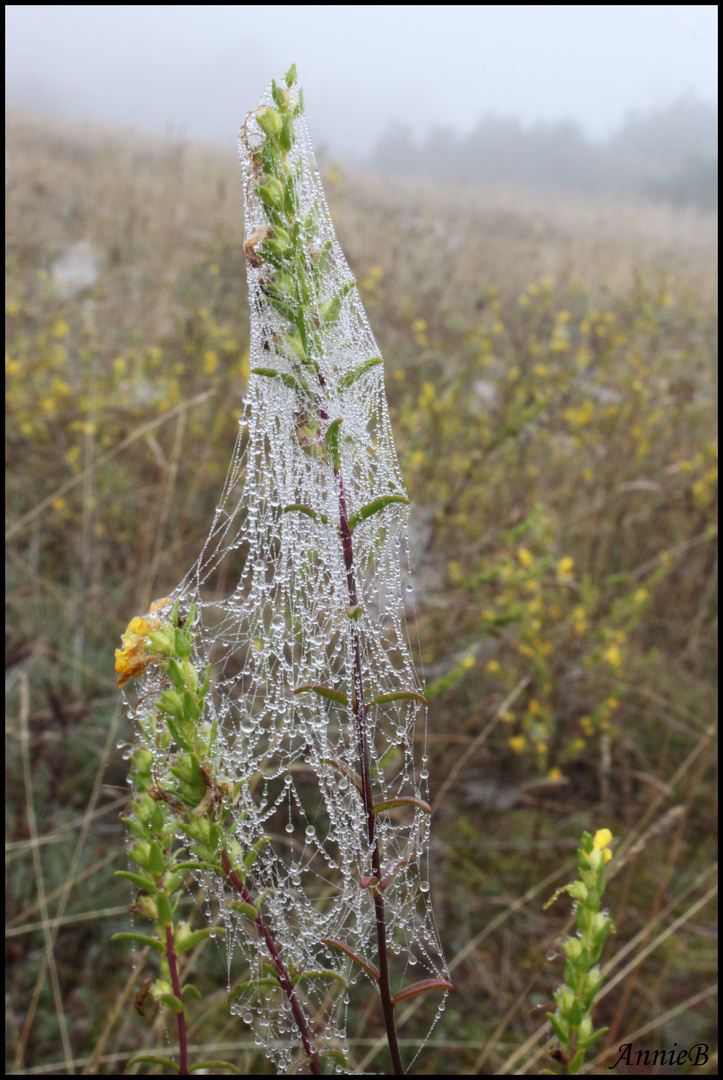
133, 658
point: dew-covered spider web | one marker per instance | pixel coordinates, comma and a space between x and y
304, 609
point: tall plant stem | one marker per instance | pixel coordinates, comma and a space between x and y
361, 711
284, 979
175, 983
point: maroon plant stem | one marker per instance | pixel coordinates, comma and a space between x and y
173, 968
284, 979
361, 712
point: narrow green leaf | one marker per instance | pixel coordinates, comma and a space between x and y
245, 909
331, 311
398, 695
142, 882
331, 444
288, 380
196, 938
372, 969
189, 990
404, 800
294, 340
421, 988
214, 1065
150, 1060
267, 980
308, 511
277, 94
325, 691
374, 508
251, 857
156, 862
336, 1055
348, 380
172, 1002
142, 939
560, 1028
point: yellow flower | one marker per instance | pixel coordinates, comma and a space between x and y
517, 743
492, 667
564, 567
612, 655
133, 659
601, 840
525, 558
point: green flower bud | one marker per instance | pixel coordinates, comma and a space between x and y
578, 891
572, 947
269, 121
584, 1031
163, 904
272, 193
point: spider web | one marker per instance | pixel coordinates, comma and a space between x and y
274, 614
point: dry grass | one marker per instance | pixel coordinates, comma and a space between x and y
551, 368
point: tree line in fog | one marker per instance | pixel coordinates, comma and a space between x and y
667, 154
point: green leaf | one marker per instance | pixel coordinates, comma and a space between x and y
290, 76
267, 980
560, 1028
287, 138
245, 909
331, 311
398, 695
585, 1044
374, 508
325, 691
331, 444
372, 969
196, 938
404, 800
142, 939
156, 862
421, 988
189, 990
277, 94
288, 380
272, 194
214, 1065
147, 883
251, 857
150, 1060
308, 511
172, 1002
335, 1055
163, 906
349, 379
574, 1064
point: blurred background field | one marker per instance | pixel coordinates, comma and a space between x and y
551, 367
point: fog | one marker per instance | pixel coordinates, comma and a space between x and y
195, 71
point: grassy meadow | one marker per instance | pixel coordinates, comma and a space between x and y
551, 368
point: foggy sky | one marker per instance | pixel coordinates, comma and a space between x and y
196, 71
